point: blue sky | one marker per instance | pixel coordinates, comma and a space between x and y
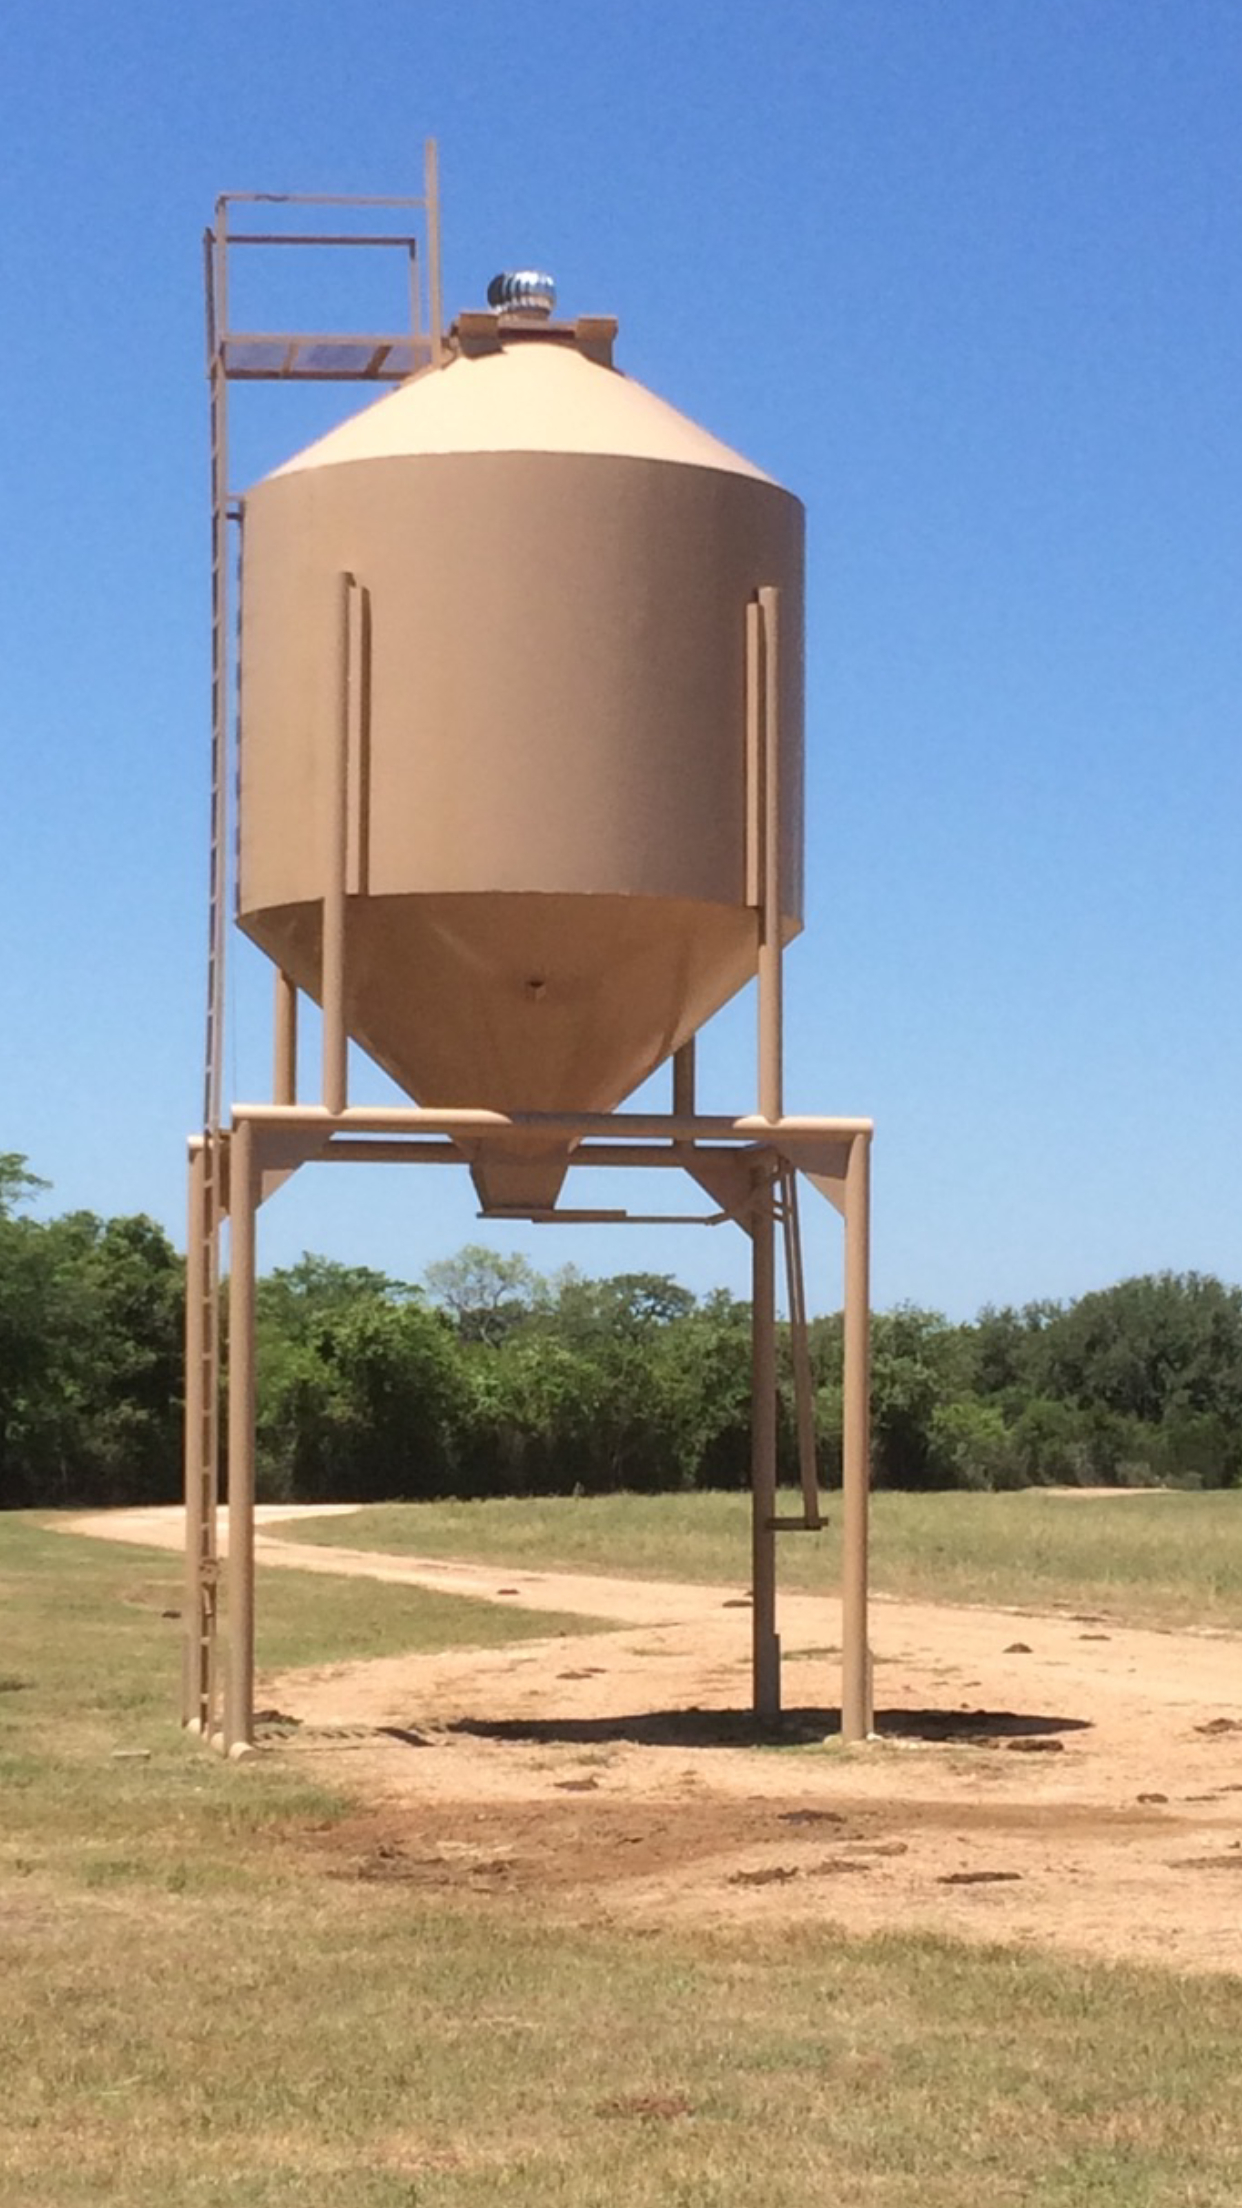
967, 276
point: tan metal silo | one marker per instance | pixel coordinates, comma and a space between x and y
550, 839
519, 781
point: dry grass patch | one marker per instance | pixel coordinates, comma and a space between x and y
94, 1774
194, 2011
1151, 1559
341, 2047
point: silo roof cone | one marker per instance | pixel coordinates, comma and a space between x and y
538, 396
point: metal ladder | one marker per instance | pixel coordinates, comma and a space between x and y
270, 357
208, 1202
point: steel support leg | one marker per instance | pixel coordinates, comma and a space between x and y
857, 1711
239, 1694
198, 1608
766, 1654
285, 1041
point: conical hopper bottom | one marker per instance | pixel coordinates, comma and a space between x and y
512, 1183
520, 1002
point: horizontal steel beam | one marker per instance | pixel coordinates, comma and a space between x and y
621, 1126
317, 237
317, 199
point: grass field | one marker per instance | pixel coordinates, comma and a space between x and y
88, 1672
193, 2010
1157, 1559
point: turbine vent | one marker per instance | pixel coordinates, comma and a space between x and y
523, 291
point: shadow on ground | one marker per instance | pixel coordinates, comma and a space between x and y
695, 1728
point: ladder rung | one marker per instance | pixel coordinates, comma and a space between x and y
796, 1525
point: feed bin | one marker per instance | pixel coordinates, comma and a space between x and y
506, 773
547, 853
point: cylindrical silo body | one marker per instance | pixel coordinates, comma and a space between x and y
546, 873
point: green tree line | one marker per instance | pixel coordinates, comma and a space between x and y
488, 1377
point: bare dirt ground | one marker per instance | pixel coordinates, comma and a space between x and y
1056, 1780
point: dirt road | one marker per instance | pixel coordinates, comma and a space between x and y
1060, 1781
